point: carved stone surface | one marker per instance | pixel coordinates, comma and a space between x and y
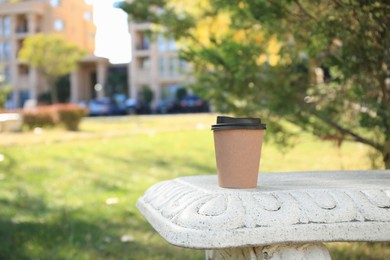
291, 207
275, 252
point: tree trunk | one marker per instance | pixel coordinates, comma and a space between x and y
386, 153
53, 90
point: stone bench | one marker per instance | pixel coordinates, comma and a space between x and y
288, 216
11, 122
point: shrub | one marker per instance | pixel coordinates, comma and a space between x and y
39, 117
4, 92
70, 115
48, 116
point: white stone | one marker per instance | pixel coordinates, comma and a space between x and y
299, 208
11, 122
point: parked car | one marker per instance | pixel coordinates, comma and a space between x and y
105, 107
99, 107
167, 107
192, 103
131, 106
119, 105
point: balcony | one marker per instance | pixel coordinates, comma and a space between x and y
143, 46
22, 29
26, 6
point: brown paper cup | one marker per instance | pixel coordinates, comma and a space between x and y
238, 157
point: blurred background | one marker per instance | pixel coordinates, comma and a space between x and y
101, 99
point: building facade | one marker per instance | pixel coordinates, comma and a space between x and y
69, 18
155, 64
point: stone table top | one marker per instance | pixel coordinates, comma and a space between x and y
294, 207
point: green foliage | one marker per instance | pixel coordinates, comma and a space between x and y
70, 116
116, 83
321, 65
52, 56
180, 93
4, 92
44, 98
62, 88
147, 95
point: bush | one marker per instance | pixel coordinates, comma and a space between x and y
4, 92
70, 116
48, 116
39, 117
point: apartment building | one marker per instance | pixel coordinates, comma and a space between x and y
69, 18
155, 64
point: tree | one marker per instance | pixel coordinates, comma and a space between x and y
322, 65
52, 56
5, 88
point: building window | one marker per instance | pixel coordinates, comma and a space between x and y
143, 42
7, 26
182, 66
55, 3
7, 51
87, 16
161, 43
172, 61
59, 25
21, 24
162, 66
171, 44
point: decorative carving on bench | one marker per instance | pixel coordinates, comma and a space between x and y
191, 207
284, 208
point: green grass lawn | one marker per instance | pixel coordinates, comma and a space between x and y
72, 195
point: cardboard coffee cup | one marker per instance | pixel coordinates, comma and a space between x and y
238, 143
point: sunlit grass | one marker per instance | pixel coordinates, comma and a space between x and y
72, 195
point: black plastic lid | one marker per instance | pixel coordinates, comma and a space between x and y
231, 123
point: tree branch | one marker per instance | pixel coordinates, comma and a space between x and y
280, 6
345, 131
304, 10
337, 3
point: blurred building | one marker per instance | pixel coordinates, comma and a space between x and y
70, 18
155, 64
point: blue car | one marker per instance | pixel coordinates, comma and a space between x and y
193, 104
105, 107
